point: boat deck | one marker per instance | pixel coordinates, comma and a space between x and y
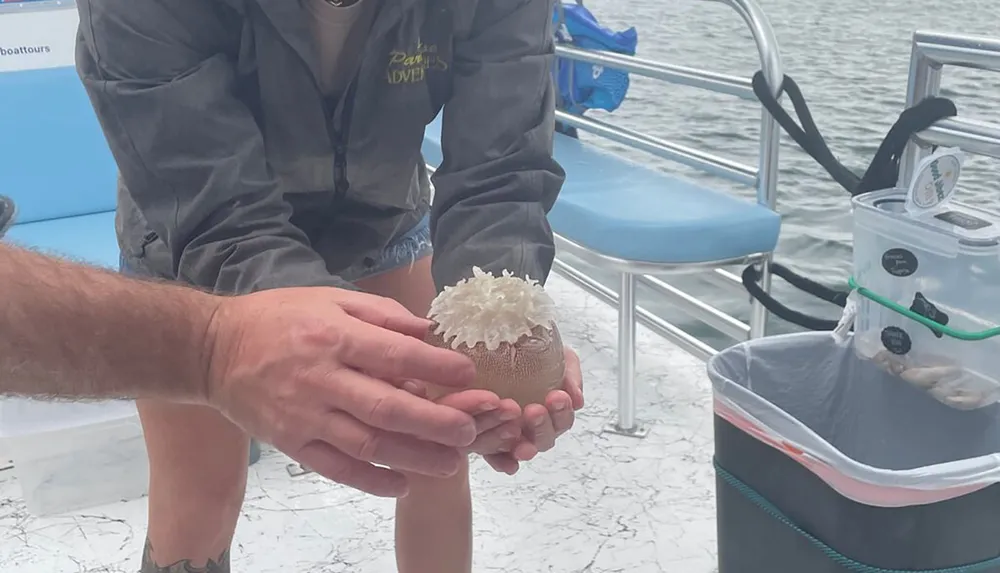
598, 503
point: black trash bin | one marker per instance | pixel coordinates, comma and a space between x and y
827, 464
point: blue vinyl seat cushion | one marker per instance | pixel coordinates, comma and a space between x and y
623, 209
55, 160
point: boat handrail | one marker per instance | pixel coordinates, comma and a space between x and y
763, 177
35, 6
671, 73
701, 160
932, 51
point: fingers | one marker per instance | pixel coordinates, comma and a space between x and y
560, 411
396, 451
506, 411
573, 378
380, 405
383, 312
538, 428
390, 355
418, 389
497, 421
524, 450
332, 464
503, 463
483, 404
543, 424
500, 439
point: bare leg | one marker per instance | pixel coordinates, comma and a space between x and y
197, 479
434, 522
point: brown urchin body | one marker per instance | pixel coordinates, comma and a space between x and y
525, 371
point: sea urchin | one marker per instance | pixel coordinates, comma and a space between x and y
507, 326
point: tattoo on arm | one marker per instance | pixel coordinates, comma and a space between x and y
218, 565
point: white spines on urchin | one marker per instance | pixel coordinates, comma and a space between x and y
507, 326
491, 310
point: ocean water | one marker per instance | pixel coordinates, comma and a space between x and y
850, 58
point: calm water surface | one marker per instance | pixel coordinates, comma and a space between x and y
850, 59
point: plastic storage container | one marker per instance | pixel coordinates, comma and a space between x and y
825, 463
942, 264
70, 456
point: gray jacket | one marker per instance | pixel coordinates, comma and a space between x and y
236, 175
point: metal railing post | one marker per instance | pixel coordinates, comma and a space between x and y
932, 51
924, 80
626, 423
770, 138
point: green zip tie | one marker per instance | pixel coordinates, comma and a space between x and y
895, 307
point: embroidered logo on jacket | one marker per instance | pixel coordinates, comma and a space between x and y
411, 66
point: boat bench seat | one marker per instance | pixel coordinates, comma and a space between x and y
619, 208
56, 166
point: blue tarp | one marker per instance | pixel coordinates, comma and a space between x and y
582, 85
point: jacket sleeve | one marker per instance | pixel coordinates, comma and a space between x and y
498, 179
161, 77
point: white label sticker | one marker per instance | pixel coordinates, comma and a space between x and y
35, 40
935, 180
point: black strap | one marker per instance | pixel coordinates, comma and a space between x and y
882, 173
751, 276
807, 136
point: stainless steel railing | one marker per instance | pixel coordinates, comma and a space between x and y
930, 53
763, 176
700, 160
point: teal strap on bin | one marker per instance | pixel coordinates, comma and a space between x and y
895, 307
831, 553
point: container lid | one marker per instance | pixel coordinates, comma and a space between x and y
953, 221
934, 180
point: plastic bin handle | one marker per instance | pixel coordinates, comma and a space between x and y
954, 333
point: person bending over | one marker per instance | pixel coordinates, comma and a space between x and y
273, 143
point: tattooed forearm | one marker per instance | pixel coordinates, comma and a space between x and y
218, 565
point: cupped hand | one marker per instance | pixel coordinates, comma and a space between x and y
498, 424
309, 371
542, 424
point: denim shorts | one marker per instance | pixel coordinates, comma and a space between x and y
403, 251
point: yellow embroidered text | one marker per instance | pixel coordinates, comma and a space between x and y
410, 67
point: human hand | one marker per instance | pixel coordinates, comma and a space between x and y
542, 424
498, 423
311, 371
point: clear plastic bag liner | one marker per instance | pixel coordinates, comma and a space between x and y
870, 435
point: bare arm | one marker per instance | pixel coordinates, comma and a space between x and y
304, 369
72, 331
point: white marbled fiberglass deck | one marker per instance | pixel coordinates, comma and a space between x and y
598, 503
